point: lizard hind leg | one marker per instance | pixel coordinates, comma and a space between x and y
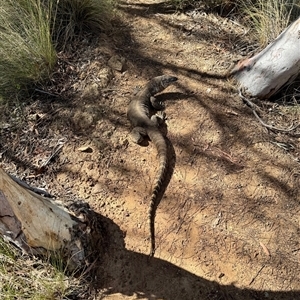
138, 135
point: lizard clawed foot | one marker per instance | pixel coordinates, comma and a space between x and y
159, 118
157, 105
161, 115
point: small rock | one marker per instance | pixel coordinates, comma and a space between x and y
105, 76
91, 91
117, 63
87, 149
82, 120
97, 188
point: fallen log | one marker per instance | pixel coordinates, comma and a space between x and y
39, 226
278, 64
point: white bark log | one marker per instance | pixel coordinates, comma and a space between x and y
38, 225
279, 63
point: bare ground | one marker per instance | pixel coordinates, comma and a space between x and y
228, 224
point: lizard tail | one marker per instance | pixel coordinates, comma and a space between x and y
161, 146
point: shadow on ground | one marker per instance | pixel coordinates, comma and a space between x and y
134, 274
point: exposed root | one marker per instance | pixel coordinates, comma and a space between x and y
271, 127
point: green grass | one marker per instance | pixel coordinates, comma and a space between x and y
27, 54
31, 31
268, 18
73, 18
22, 277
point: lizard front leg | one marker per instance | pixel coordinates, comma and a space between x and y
159, 118
157, 105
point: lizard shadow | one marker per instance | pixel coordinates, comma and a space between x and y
174, 96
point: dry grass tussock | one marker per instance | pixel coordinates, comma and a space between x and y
33, 30
72, 18
268, 18
22, 277
27, 54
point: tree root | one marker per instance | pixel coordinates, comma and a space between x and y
271, 127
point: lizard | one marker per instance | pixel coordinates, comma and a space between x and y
144, 125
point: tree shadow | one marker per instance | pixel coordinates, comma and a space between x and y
132, 274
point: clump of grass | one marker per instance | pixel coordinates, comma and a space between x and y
32, 30
27, 54
268, 18
72, 18
22, 277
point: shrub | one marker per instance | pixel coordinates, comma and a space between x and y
22, 277
268, 18
27, 54
72, 18
30, 30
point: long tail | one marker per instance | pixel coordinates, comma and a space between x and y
157, 138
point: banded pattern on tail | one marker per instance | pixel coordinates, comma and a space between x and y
161, 147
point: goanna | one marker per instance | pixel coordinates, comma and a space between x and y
144, 125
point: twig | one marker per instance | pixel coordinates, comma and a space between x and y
284, 146
271, 127
53, 153
227, 156
257, 274
28, 187
45, 92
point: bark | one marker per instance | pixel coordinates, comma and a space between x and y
39, 226
265, 73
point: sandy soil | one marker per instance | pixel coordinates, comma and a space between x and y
228, 224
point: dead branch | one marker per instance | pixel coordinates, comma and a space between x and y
271, 127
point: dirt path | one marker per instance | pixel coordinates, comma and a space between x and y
228, 225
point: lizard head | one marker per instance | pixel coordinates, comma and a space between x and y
166, 80
159, 83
